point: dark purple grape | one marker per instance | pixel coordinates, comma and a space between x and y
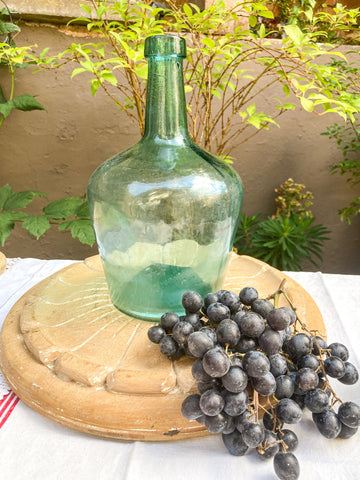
230, 424
279, 319
270, 341
210, 298
216, 423
317, 400
204, 386
242, 420
346, 432
199, 373
234, 443
291, 313
309, 361
168, 321
271, 422
306, 379
256, 364
289, 438
156, 333
269, 446
298, 345
248, 295
286, 466
217, 312
235, 380
278, 364
327, 423
288, 411
245, 344
334, 367
210, 332
236, 403
199, 343
339, 350
181, 332
253, 434
220, 294
168, 346
262, 306
265, 385
236, 361
192, 301
216, 363
351, 375
251, 324
231, 300
211, 402
318, 343
190, 407
299, 399
228, 333
349, 414
238, 316
193, 319
284, 387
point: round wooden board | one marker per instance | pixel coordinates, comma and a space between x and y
70, 355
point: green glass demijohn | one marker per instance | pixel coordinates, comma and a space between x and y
164, 211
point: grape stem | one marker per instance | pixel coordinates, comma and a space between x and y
281, 291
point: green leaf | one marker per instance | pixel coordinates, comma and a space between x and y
141, 70
5, 192
252, 21
307, 104
286, 90
80, 229
2, 97
6, 226
76, 71
83, 211
5, 108
294, 32
95, 84
187, 10
262, 31
64, 208
36, 225
209, 42
21, 199
109, 77
26, 103
7, 27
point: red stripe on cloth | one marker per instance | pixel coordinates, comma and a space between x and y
7, 406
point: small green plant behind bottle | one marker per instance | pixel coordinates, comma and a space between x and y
288, 237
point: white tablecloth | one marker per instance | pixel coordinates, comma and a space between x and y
35, 448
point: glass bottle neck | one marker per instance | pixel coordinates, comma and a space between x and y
165, 116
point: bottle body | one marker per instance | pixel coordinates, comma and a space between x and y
164, 211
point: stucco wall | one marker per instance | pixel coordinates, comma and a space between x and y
56, 151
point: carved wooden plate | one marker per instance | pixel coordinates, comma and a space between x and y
73, 357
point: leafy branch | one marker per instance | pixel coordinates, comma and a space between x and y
71, 214
226, 70
13, 58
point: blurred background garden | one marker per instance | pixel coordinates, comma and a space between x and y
272, 87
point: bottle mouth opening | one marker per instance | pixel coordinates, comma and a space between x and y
165, 46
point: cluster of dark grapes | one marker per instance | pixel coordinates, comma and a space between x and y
244, 347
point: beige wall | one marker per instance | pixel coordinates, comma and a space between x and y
56, 151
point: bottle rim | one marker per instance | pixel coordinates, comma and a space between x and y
165, 45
